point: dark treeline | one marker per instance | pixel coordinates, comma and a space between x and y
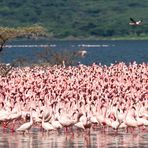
77, 18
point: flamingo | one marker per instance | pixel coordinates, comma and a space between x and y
26, 126
79, 125
67, 121
130, 120
142, 121
86, 88
141, 117
120, 115
4, 115
14, 116
4, 118
85, 121
64, 118
115, 123
55, 123
116, 119
93, 120
101, 115
122, 125
47, 126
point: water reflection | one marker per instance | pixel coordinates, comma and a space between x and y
92, 139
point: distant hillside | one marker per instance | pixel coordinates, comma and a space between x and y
77, 18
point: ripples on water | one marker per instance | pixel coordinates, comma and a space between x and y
95, 139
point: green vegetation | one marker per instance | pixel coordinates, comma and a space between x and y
78, 18
7, 33
46, 56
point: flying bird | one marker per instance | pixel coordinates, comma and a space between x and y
135, 23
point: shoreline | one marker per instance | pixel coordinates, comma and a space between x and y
120, 38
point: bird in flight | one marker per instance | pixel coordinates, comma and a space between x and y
135, 23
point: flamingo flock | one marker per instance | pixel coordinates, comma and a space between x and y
82, 97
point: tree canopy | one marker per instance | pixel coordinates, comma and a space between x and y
7, 33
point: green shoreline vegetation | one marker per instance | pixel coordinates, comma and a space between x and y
75, 19
106, 38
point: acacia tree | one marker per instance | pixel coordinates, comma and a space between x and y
7, 34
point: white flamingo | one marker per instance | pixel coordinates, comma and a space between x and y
130, 120
67, 120
56, 124
93, 120
64, 119
142, 121
79, 125
47, 126
85, 121
26, 126
4, 115
16, 112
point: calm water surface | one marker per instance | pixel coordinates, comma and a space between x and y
95, 139
104, 52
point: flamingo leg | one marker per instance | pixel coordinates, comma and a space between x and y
13, 126
4, 124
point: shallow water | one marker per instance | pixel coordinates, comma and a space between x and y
96, 138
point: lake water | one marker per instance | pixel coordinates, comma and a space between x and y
97, 138
104, 52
